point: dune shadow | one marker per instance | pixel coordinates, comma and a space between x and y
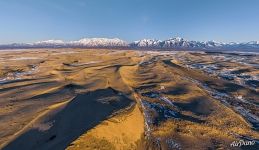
225, 88
65, 89
230, 87
27, 85
169, 63
160, 113
198, 106
239, 71
177, 90
17, 81
253, 83
81, 114
145, 87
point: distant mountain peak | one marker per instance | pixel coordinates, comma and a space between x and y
49, 42
171, 43
99, 42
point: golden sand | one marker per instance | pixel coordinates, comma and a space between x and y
118, 99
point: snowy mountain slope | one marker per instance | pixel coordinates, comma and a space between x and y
172, 43
99, 42
180, 43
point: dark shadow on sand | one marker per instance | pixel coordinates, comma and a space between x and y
225, 88
177, 90
81, 114
240, 71
161, 113
168, 62
198, 106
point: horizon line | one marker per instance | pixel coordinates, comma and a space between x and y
127, 41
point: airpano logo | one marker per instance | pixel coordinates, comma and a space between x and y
242, 143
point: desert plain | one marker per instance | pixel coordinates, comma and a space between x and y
127, 99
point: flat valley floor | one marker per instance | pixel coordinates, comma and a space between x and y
124, 99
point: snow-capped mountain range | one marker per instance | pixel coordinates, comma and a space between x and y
172, 43
84, 43
180, 43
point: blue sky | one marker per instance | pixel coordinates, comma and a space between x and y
220, 20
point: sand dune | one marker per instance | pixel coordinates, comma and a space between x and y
105, 99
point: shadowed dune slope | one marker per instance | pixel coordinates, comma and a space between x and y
58, 128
